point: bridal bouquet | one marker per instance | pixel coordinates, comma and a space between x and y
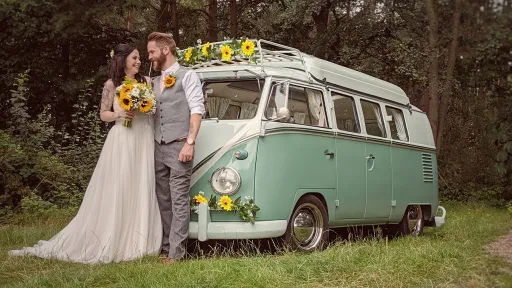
134, 95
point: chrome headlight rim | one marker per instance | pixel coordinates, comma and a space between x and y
239, 178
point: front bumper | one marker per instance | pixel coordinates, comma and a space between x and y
204, 229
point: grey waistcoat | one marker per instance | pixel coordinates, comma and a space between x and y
172, 118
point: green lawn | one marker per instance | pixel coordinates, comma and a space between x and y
451, 256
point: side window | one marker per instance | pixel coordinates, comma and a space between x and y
373, 119
345, 110
306, 105
397, 124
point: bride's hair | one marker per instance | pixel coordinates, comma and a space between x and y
118, 64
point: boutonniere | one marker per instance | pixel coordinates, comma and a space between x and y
169, 80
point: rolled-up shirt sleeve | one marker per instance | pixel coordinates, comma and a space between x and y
194, 93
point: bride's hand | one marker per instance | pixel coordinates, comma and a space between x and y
127, 114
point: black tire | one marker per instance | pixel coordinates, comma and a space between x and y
309, 217
412, 223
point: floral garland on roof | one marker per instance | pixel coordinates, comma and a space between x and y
237, 49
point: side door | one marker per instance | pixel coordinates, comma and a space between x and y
379, 189
350, 154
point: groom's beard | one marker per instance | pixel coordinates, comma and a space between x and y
160, 61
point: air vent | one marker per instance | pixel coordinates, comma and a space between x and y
428, 174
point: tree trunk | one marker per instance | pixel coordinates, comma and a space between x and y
65, 59
164, 16
168, 21
433, 85
452, 56
129, 24
321, 22
212, 21
174, 22
233, 18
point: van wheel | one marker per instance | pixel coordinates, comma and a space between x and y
307, 228
412, 223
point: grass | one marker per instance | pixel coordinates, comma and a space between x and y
450, 256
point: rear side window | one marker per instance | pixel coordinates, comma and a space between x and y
397, 124
345, 110
373, 119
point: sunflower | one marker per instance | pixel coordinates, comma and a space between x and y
226, 52
169, 81
125, 90
204, 50
248, 47
226, 203
125, 101
200, 199
189, 54
146, 105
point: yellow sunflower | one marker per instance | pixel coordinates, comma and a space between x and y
204, 50
226, 52
146, 105
188, 54
169, 81
125, 101
125, 90
226, 203
200, 199
248, 47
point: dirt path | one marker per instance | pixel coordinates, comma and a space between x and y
502, 247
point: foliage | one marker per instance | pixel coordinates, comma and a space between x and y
51, 119
42, 167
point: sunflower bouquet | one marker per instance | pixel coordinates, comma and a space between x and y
133, 95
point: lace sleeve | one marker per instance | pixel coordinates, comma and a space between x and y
107, 99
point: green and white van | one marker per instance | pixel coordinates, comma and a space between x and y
309, 145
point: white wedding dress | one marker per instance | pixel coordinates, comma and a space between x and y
119, 218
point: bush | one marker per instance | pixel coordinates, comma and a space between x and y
45, 168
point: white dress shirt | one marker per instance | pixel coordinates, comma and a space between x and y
192, 86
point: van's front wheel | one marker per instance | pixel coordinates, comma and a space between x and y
307, 228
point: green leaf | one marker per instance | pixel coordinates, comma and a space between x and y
508, 147
502, 156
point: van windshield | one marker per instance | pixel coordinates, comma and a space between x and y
232, 100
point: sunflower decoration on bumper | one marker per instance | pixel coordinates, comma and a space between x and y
246, 208
133, 95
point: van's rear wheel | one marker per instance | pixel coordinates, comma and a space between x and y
307, 228
412, 223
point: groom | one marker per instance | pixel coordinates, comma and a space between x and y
179, 110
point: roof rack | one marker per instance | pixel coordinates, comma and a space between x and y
271, 53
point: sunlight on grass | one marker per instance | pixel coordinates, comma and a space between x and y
451, 256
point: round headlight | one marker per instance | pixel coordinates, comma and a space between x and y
225, 181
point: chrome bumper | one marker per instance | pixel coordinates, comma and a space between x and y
204, 229
440, 220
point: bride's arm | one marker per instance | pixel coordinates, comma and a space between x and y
107, 99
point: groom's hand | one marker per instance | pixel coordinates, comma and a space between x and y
187, 153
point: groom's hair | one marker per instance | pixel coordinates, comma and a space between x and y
162, 40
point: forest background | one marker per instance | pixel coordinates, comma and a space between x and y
452, 58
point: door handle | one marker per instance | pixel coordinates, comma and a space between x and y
331, 154
370, 157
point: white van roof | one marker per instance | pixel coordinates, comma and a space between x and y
275, 55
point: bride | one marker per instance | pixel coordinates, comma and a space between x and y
118, 219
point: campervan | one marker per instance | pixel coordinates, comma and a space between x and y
293, 145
